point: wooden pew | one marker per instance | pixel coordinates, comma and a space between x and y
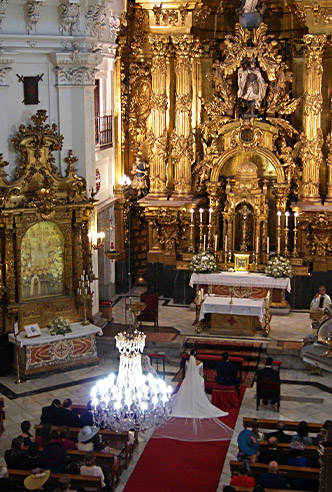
285, 446
2, 416
77, 481
283, 470
105, 460
249, 489
290, 425
109, 436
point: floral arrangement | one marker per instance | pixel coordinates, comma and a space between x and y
59, 326
279, 266
203, 262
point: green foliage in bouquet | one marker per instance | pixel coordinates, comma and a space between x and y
203, 262
59, 326
279, 266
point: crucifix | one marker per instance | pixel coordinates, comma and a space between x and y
245, 212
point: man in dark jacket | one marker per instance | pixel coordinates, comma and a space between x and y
272, 453
272, 480
280, 434
67, 416
226, 372
268, 373
51, 414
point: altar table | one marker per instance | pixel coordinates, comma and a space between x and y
47, 353
233, 314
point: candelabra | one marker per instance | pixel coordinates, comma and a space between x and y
295, 253
191, 248
84, 291
286, 251
201, 236
278, 233
209, 242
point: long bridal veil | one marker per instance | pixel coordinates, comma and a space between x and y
193, 417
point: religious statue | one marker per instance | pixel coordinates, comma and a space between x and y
252, 86
139, 169
249, 16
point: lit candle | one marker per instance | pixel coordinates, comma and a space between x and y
225, 243
192, 215
204, 242
215, 242
279, 215
82, 276
201, 215
286, 215
83, 272
268, 245
295, 218
210, 215
257, 244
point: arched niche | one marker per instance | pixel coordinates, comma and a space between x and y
42, 261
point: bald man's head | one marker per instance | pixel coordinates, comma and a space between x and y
272, 442
273, 467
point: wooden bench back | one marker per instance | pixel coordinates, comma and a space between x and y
77, 481
249, 489
290, 425
285, 446
107, 434
102, 459
284, 470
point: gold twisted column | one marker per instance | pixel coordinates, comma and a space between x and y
182, 138
158, 132
312, 137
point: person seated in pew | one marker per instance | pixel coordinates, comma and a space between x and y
67, 416
271, 479
255, 429
15, 457
54, 457
226, 373
5, 483
321, 436
248, 448
243, 479
50, 414
87, 438
272, 453
64, 439
32, 461
86, 416
45, 436
37, 480
89, 468
26, 436
279, 434
302, 434
63, 485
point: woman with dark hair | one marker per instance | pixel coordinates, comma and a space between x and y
302, 434
45, 436
26, 436
64, 439
90, 468
321, 436
14, 457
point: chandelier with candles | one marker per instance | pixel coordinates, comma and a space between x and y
132, 401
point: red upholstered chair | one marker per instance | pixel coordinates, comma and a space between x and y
268, 389
150, 313
225, 397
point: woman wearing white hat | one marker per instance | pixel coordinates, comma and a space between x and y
85, 438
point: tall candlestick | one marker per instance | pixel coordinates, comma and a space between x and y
268, 245
279, 216
257, 244
210, 215
201, 215
191, 215
295, 218
204, 242
286, 220
215, 242
225, 243
278, 251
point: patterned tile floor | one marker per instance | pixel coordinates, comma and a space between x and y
26, 400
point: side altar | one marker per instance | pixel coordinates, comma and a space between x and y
55, 353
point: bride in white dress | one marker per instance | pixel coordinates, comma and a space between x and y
193, 417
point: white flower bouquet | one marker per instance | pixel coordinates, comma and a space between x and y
203, 262
279, 266
59, 326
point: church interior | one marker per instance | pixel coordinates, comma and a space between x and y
166, 186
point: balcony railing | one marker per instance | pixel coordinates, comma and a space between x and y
103, 130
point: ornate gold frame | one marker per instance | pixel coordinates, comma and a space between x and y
241, 263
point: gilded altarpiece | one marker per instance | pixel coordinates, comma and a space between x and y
43, 232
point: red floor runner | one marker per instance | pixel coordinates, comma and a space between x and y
167, 465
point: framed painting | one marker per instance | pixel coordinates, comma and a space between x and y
32, 330
241, 263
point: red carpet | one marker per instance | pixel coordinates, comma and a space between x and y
167, 465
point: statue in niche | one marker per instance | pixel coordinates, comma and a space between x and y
252, 86
139, 170
249, 16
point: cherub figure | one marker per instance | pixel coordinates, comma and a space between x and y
139, 169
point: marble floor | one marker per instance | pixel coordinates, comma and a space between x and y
303, 397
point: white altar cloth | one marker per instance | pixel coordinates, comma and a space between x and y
77, 330
240, 306
239, 279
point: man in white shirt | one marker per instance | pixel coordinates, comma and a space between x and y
321, 300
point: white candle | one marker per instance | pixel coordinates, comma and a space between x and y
204, 242
210, 215
225, 243
215, 242
268, 245
82, 277
79, 291
257, 244
192, 215
278, 245
201, 215
295, 219
279, 215
83, 272
286, 215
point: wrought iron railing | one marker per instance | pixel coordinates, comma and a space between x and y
104, 131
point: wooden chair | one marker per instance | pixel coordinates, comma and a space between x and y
268, 389
150, 313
